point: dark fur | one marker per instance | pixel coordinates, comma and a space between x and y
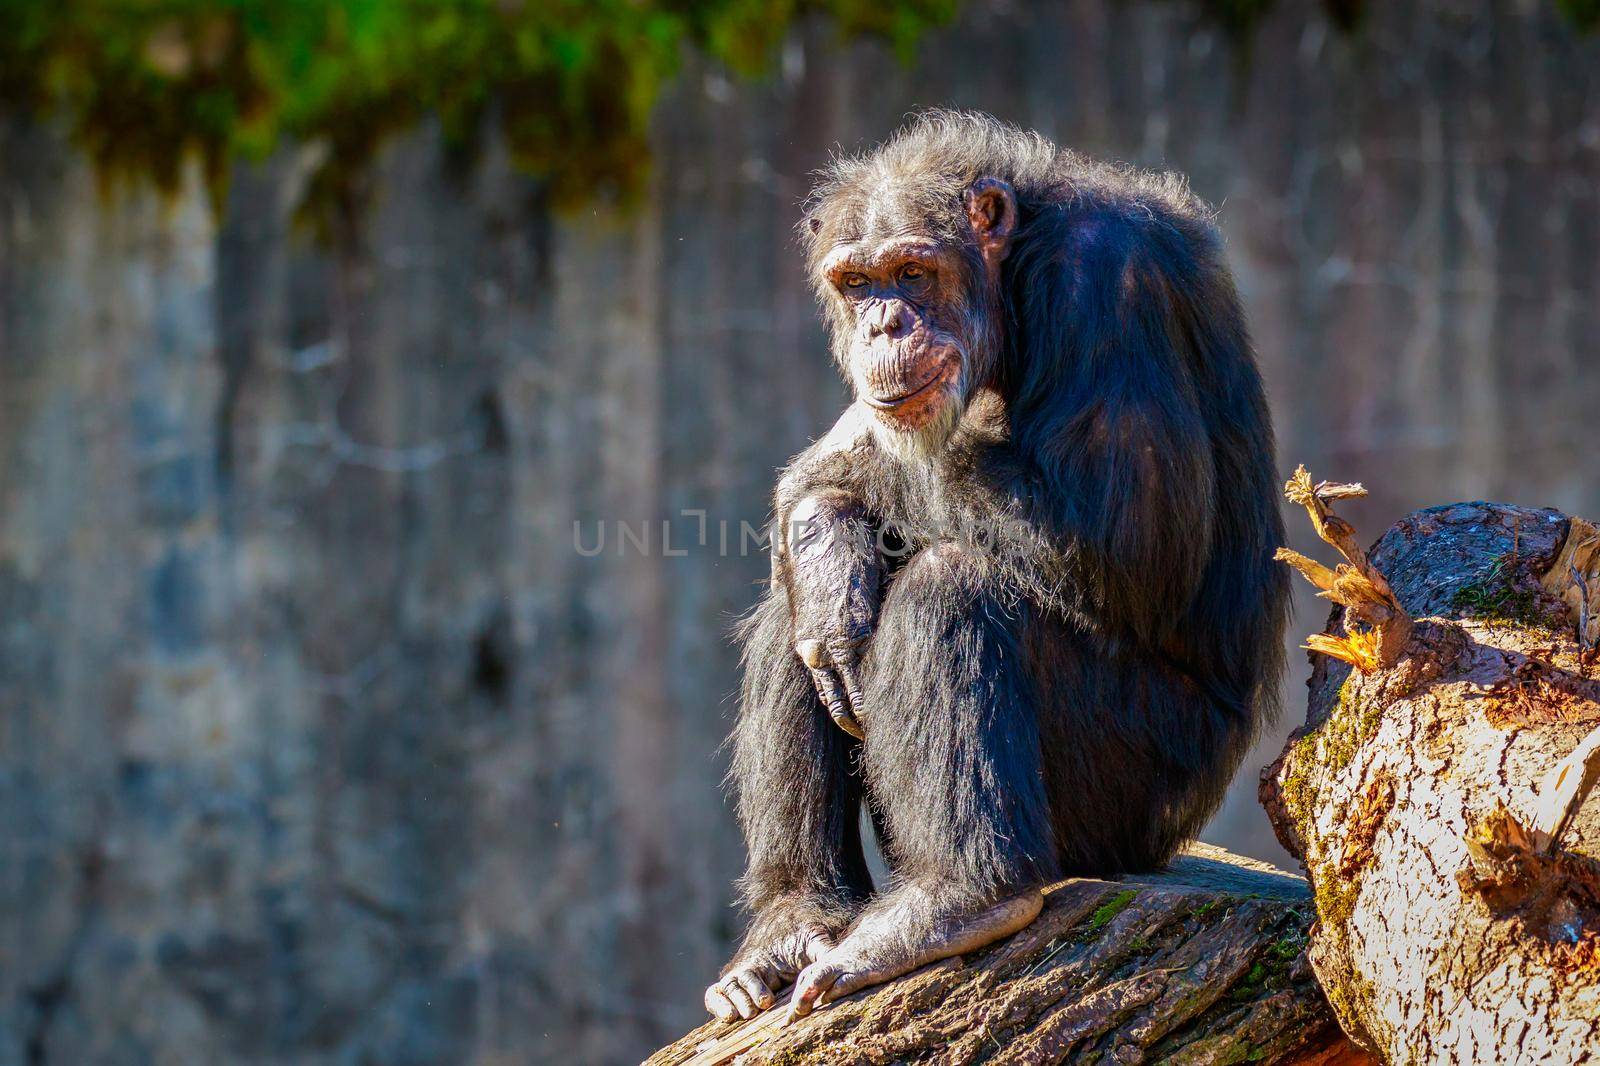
1074, 695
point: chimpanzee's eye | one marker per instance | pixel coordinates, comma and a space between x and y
912, 272
855, 281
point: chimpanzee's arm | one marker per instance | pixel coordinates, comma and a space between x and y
827, 557
1136, 413
825, 553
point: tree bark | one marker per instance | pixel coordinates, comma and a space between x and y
1204, 963
1436, 797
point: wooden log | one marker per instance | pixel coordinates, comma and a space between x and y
1204, 963
1437, 797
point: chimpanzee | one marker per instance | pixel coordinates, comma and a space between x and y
1024, 608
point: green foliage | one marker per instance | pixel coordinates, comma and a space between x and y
1585, 14
144, 84
571, 84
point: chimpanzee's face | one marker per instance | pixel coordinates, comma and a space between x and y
908, 337
916, 316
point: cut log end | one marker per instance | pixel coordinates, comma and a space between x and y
1438, 796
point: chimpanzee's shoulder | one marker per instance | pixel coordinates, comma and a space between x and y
1120, 205
1121, 189
1134, 232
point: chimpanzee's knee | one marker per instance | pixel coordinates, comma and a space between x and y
952, 746
938, 585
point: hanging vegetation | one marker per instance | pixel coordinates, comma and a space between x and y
145, 85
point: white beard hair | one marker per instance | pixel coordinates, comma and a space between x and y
923, 443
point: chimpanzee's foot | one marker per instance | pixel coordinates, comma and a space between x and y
909, 930
758, 972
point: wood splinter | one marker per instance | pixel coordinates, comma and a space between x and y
1377, 628
1563, 791
1514, 862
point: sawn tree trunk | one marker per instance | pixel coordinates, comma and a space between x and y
1436, 792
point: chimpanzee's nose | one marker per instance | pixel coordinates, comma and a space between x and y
889, 319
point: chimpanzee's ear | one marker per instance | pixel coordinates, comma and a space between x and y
992, 210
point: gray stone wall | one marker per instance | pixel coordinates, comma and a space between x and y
321, 742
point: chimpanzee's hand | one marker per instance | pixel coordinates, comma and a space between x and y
827, 555
758, 973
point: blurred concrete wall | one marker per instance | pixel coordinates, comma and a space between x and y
319, 739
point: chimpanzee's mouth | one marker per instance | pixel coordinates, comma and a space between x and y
899, 401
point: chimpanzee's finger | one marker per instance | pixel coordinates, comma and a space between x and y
809, 987
718, 1004
844, 663
846, 983
738, 996
838, 704
755, 988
